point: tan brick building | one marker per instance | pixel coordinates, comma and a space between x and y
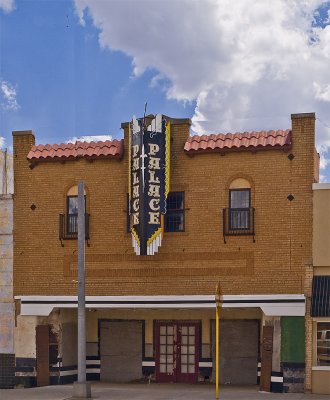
240, 212
319, 322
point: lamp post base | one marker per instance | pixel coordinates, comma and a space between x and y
82, 390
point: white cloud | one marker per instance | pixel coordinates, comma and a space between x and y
8, 96
247, 64
321, 93
324, 162
324, 156
100, 138
7, 5
2, 142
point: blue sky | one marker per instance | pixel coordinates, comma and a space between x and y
71, 69
66, 86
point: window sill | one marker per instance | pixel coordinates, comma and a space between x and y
182, 233
321, 368
239, 232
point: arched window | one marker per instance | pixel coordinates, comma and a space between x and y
72, 209
68, 224
239, 204
238, 217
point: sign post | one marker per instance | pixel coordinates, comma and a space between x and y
218, 305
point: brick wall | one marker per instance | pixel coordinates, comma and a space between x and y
187, 263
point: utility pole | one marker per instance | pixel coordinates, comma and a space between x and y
81, 388
218, 305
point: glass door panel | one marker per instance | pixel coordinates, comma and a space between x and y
177, 351
165, 365
188, 348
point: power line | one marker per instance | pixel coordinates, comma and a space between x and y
323, 123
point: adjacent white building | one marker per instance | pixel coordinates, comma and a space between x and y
7, 308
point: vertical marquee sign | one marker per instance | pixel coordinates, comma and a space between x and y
149, 180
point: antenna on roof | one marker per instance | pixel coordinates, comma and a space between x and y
144, 115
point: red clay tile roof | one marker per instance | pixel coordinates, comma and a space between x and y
71, 151
252, 141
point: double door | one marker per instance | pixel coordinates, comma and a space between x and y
177, 351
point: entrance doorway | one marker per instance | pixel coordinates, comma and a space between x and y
121, 350
239, 344
177, 351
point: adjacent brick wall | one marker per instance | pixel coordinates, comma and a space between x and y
189, 262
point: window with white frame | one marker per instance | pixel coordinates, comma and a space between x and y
323, 344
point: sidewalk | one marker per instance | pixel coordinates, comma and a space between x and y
108, 391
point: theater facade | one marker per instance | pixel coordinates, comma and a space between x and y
168, 217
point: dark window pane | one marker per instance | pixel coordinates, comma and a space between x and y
240, 198
239, 209
72, 223
73, 205
239, 219
175, 201
72, 214
174, 217
174, 222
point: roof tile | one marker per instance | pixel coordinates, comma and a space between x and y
280, 139
106, 149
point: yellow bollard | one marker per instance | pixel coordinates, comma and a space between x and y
217, 312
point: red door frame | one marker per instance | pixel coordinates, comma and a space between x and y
177, 376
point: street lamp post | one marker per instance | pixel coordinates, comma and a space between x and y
81, 388
218, 305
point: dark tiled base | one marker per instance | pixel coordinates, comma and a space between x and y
293, 377
26, 381
25, 372
205, 372
7, 371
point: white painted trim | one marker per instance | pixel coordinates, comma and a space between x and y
93, 362
148, 363
75, 371
282, 306
93, 370
70, 372
276, 379
30, 373
283, 309
165, 298
321, 368
205, 364
321, 186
